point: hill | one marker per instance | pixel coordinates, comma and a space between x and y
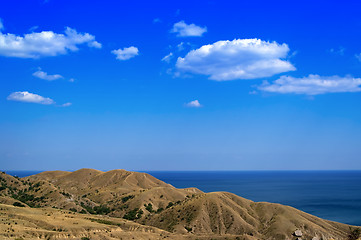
133, 200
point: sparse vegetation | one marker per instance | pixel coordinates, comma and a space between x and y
66, 194
149, 207
83, 211
170, 204
73, 209
159, 210
103, 221
354, 234
179, 214
189, 229
102, 210
17, 204
126, 198
134, 214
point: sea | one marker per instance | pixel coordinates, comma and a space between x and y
332, 195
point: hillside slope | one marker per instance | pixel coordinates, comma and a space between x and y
145, 200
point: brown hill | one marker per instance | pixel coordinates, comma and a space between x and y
146, 200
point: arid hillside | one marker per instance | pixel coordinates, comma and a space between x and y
119, 204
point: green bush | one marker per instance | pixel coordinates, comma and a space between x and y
189, 229
149, 207
103, 210
126, 198
354, 234
136, 213
83, 211
159, 210
17, 204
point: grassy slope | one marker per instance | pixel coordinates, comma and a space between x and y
150, 202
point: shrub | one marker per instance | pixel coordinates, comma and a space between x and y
101, 210
189, 229
17, 204
136, 213
159, 210
126, 198
149, 207
354, 234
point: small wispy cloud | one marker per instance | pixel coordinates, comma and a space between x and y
188, 30
45, 76
1, 24
358, 56
156, 20
167, 58
33, 28
194, 104
68, 104
30, 98
126, 53
339, 51
181, 46
312, 85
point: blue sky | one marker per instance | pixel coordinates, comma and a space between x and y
186, 85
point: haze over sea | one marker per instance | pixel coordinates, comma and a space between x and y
332, 195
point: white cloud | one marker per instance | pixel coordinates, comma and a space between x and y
45, 76
339, 51
95, 44
358, 56
167, 58
237, 59
29, 97
45, 43
194, 104
68, 104
126, 53
33, 28
156, 20
188, 30
1, 25
312, 85
180, 46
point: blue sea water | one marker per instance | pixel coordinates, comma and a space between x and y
332, 195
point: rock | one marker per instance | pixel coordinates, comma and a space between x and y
298, 233
315, 238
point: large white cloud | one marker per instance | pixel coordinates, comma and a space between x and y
188, 30
237, 59
312, 85
45, 76
45, 43
29, 97
126, 53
